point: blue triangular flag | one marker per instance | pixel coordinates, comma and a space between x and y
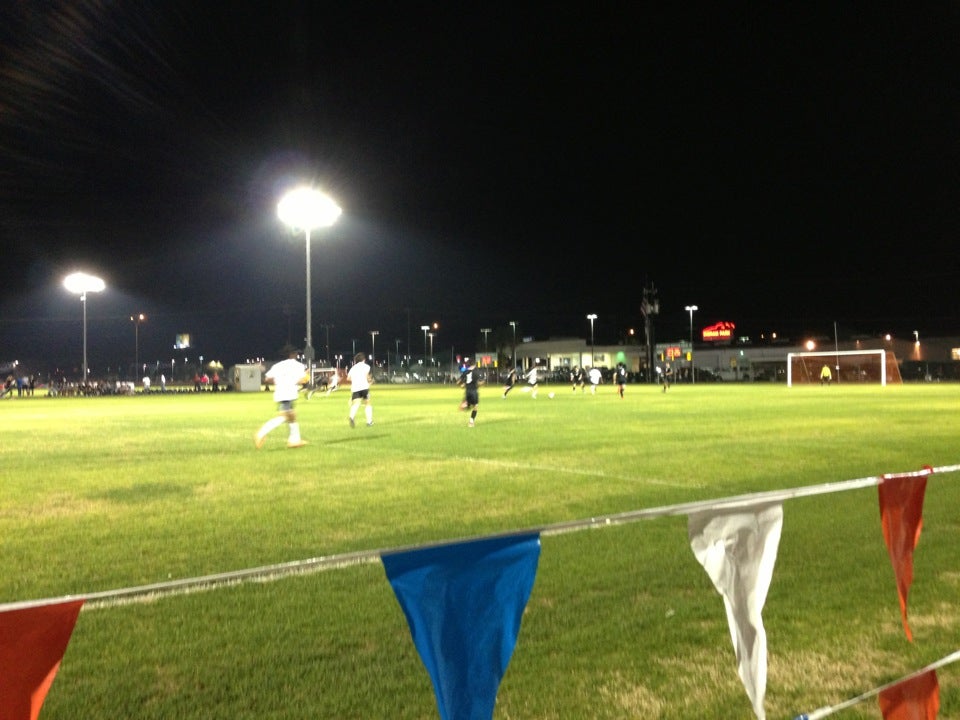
464, 603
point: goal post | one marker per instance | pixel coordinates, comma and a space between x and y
846, 366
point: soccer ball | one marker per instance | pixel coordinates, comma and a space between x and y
550, 395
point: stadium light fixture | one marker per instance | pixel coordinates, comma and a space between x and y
513, 324
486, 334
373, 345
307, 209
591, 317
80, 283
691, 309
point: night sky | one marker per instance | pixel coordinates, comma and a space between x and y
785, 168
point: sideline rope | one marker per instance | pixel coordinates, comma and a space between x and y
824, 711
148, 593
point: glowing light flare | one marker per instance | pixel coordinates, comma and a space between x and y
80, 283
305, 208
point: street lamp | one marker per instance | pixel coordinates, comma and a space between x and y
80, 284
591, 317
136, 319
373, 346
305, 209
513, 324
431, 347
691, 309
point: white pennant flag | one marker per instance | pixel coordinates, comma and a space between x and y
738, 549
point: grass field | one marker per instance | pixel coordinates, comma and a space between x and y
107, 493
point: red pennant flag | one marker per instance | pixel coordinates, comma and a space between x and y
901, 509
915, 699
32, 643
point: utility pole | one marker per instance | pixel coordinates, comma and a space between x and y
327, 326
650, 307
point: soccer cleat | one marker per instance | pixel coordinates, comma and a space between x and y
470, 424
352, 423
370, 424
297, 444
258, 440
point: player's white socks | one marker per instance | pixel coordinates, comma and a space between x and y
294, 432
368, 410
271, 424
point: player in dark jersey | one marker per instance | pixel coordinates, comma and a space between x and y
621, 378
510, 381
470, 382
579, 378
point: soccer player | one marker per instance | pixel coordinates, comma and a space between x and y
470, 383
621, 378
510, 382
532, 380
579, 378
596, 377
286, 377
334, 382
666, 376
825, 375
360, 378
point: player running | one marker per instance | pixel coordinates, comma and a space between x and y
470, 382
579, 378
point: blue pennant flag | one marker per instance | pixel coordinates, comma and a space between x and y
464, 603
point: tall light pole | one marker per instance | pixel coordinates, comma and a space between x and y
486, 334
591, 317
425, 328
373, 346
306, 209
430, 334
691, 309
327, 326
136, 319
513, 324
81, 283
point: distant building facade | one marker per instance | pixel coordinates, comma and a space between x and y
932, 359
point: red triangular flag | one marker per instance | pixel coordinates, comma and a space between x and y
915, 699
901, 510
32, 643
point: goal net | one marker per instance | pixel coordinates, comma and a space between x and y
847, 366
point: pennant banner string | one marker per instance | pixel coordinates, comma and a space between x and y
147, 593
824, 711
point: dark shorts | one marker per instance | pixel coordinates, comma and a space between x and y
472, 397
285, 406
360, 395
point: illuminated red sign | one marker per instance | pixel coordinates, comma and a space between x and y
718, 331
673, 352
